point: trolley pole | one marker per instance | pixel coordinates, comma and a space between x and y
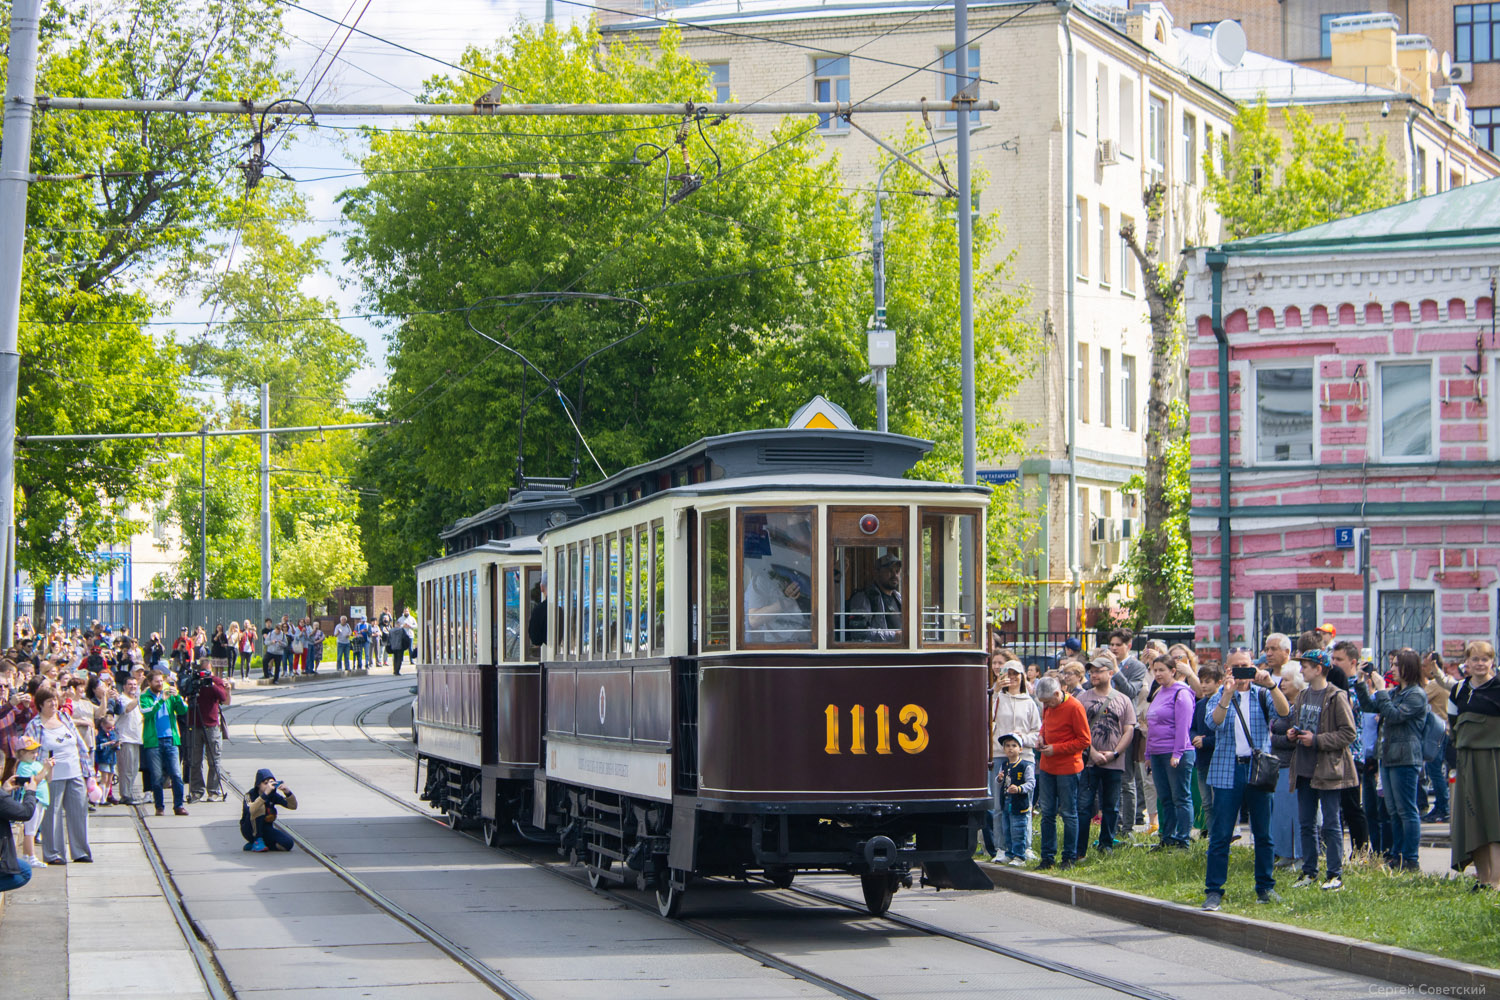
15, 168
203, 514
265, 502
965, 232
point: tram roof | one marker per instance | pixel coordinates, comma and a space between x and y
518, 545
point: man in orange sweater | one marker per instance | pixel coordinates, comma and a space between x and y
1065, 736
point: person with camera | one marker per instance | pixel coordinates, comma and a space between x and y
275, 640
258, 817
400, 639
160, 707
206, 695
1321, 766
1403, 718
1242, 772
17, 805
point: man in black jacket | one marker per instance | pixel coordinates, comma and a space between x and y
17, 803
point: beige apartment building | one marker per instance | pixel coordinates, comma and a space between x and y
1063, 180
1301, 31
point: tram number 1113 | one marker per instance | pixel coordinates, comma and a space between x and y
914, 716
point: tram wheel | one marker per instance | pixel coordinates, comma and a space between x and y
491, 831
453, 819
669, 899
879, 889
596, 875
782, 879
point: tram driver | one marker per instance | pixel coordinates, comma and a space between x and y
875, 611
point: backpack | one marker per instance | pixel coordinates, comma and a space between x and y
1432, 737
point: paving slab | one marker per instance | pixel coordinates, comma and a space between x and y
283, 931
449, 991
361, 965
167, 972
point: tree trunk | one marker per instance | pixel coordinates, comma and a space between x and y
1164, 299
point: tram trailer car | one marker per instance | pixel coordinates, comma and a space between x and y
478, 718
763, 657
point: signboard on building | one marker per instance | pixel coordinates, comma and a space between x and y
357, 611
999, 477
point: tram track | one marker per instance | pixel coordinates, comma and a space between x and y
700, 928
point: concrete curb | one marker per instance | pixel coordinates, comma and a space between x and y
321, 675
1398, 965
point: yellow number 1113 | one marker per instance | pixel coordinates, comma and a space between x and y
914, 716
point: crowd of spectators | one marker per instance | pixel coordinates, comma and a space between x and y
1306, 740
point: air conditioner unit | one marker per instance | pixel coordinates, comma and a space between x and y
1127, 527
1461, 72
1111, 531
1109, 151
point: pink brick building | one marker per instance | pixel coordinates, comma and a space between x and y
1353, 364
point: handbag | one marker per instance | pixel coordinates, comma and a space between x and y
1265, 768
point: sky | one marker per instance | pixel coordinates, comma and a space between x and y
366, 71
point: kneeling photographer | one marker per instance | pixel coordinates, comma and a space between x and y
258, 817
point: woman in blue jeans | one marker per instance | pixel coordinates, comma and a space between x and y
1169, 745
1403, 716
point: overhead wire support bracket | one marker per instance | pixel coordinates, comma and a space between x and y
948, 189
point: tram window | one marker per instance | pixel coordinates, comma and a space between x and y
776, 577
716, 580
574, 604
658, 588
949, 579
627, 593
586, 569
869, 575
533, 598
644, 572
601, 581
612, 618
558, 593
512, 615
473, 616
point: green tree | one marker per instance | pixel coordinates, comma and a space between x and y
1163, 571
753, 295
1276, 180
319, 558
152, 191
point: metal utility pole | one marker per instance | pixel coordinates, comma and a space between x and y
203, 514
15, 168
962, 100
265, 502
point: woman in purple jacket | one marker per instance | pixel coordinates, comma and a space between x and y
1169, 746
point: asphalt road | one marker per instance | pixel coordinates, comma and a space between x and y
285, 925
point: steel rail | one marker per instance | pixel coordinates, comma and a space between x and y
209, 970
1060, 968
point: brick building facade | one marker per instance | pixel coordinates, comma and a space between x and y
1360, 359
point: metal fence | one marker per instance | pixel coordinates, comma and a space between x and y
165, 617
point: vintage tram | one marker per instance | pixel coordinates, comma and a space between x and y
760, 655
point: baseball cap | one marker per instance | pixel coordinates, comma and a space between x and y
1012, 737
1073, 644
1105, 661
30, 743
889, 559
1318, 656
1013, 667
1326, 627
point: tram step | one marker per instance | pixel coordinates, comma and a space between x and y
606, 852
604, 807
608, 831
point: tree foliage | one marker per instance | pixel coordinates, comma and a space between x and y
320, 558
152, 191
1166, 566
1276, 180
748, 295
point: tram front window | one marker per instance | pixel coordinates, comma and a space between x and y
777, 577
869, 585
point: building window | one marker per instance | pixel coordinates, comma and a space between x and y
952, 85
1204, 28
1080, 93
1419, 174
1406, 410
1283, 415
1486, 123
1189, 149
1128, 137
1157, 140
1081, 235
1104, 246
1290, 612
718, 75
1476, 32
1406, 621
1104, 387
1325, 31
1081, 378
1101, 103
831, 83
1127, 259
1127, 392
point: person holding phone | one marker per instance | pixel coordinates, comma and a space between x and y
1240, 714
17, 805
60, 744
1319, 738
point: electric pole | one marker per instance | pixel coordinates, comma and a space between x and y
265, 502
15, 169
963, 100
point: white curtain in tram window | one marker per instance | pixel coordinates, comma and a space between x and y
1284, 415
1406, 410
778, 576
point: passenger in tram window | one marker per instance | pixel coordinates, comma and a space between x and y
536, 621
778, 577
776, 608
875, 612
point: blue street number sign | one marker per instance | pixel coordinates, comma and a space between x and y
1343, 538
